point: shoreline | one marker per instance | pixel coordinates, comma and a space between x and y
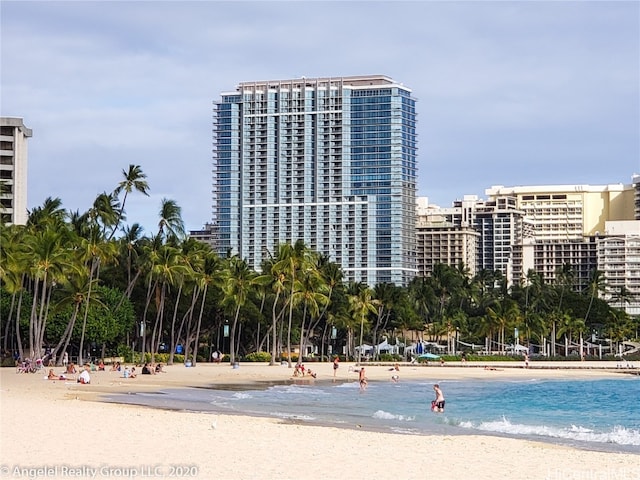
73, 427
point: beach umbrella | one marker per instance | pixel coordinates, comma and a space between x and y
429, 356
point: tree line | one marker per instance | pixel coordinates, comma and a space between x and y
70, 280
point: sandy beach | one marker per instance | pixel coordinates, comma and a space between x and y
60, 429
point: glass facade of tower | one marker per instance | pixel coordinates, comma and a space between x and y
330, 161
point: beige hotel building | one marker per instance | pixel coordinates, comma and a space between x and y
540, 228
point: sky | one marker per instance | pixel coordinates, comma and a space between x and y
509, 93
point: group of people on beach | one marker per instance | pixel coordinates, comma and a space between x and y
437, 405
84, 376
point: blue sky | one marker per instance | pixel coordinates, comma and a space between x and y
509, 93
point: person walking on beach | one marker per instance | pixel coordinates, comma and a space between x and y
336, 364
438, 404
65, 359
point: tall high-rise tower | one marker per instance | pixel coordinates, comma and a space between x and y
13, 170
330, 161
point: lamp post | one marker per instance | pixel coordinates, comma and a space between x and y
225, 330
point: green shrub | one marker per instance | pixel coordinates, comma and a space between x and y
390, 357
8, 362
294, 357
126, 353
257, 357
163, 358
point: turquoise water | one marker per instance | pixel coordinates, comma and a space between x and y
592, 414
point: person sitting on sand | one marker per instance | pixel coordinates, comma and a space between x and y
84, 377
313, 374
146, 370
115, 367
101, 366
159, 368
133, 373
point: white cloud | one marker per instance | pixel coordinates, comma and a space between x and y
508, 92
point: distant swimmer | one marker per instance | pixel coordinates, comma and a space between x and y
437, 405
395, 378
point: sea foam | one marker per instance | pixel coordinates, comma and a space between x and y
617, 435
381, 414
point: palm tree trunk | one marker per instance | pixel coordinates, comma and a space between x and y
195, 347
361, 337
232, 344
274, 342
157, 324
150, 289
188, 315
18, 336
289, 329
33, 318
41, 318
66, 336
95, 264
8, 325
173, 322
302, 344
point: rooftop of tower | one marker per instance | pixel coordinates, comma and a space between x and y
353, 81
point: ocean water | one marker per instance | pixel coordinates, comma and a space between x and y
590, 414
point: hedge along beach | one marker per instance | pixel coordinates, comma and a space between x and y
58, 425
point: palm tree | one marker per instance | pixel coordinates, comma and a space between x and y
13, 268
50, 264
331, 274
423, 300
504, 314
312, 296
50, 213
596, 285
386, 294
289, 261
273, 278
95, 250
207, 275
168, 270
171, 224
238, 283
565, 277
623, 295
75, 291
569, 325
134, 179
362, 303
129, 242
188, 258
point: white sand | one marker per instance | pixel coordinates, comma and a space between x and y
55, 429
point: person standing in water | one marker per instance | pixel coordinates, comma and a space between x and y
363, 379
438, 404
